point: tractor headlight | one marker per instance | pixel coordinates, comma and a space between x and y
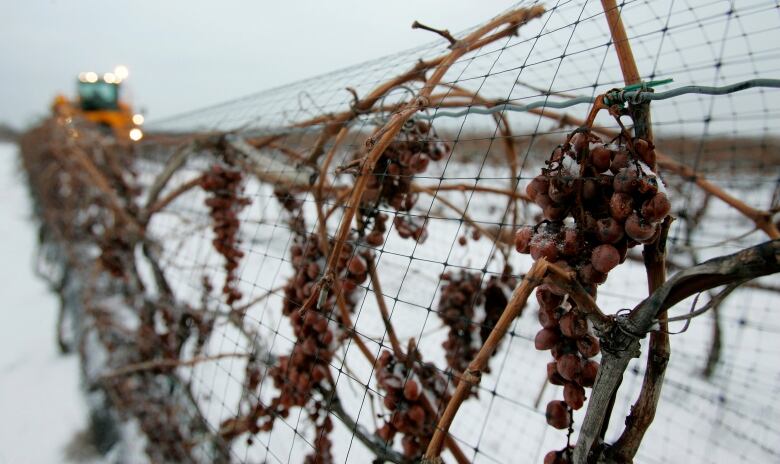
138, 119
136, 134
121, 72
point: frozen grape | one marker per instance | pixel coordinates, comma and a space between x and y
588, 346
357, 265
656, 208
645, 150
552, 374
557, 414
538, 184
569, 366
411, 390
621, 205
619, 161
523, 239
546, 297
572, 242
605, 258
573, 395
589, 275
639, 229
600, 158
548, 318
588, 374
608, 230
573, 325
543, 247
626, 180
546, 339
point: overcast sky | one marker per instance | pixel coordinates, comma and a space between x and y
184, 54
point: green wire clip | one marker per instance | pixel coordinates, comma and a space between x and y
617, 96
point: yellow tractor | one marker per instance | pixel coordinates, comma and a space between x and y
99, 102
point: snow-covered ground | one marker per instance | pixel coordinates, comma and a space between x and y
41, 406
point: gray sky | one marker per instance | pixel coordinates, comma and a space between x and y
185, 54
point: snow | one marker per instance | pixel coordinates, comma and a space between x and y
41, 405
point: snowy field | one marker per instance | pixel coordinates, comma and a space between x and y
41, 405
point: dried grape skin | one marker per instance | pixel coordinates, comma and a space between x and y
573, 395
523, 239
600, 158
640, 230
588, 374
548, 318
626, 180
588, 346
546, 339
573, 325
604, 258
557, 414
538, 184
656, 208
552, 374
619, 161
621, 205
569, 366
608, 230
543, 247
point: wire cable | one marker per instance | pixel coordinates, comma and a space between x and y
618, 96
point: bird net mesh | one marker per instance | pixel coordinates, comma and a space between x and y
309, 273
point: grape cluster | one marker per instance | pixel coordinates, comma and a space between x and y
225, 202
302, 375
376, 237
459, 299
391, 181
323, 446
307, 366
598, 200
411, 415
565, 332
615, 200
114, 250
293, 206
496, 293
